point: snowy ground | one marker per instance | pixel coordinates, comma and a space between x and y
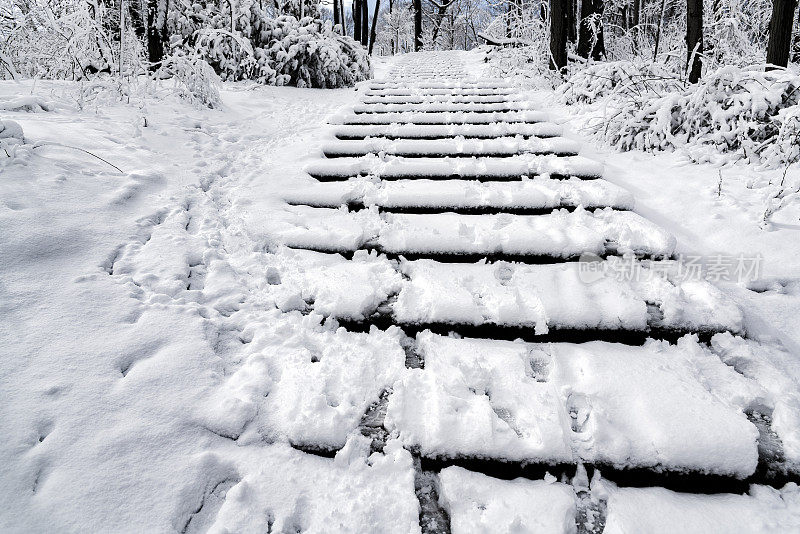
164, 358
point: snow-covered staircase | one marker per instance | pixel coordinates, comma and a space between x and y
447, 206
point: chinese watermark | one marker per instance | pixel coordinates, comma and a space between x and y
739, 268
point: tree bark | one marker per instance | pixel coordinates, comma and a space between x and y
357, 19
374, 30
337, 17
417, 25
780, 32
590, 38
694, 39
796, 53
558, 34
156, 31
572, 21
364, 22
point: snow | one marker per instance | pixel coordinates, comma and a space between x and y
468, 147
526, 506
433, 131
463, 91
164, 353
145, 367
560, 234
441, 107
433, 98
535, 193
451, 117
609, 403
288, 491
775, 369
657, 510
395, 167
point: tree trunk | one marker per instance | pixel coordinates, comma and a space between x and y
780, 32
337, 17
437, 24
417, 25
796, 53
572, 21
590, 38
374, 26
156, 31
558, 34
694, 39
364, 22
342, 14
658, 30
357, 19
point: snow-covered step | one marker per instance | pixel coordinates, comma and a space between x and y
554, 301
444, 131
421, 99
479, 503
659, 511
561, 234
410, 91
456, 117
657, 406
446, 84
559, 297
485, 169
499, 147
443, 107
538, 193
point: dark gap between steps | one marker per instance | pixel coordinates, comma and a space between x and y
511, 333
503, 178
356, 137
359, 154
461, 210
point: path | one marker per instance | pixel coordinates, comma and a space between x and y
450, 208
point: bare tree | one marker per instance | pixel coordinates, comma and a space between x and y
694, 39
780, 32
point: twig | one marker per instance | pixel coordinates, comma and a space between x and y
49, 143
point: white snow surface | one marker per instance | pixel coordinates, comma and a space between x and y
162, 351
659, 511
535, 193
145, 367
478, 503
465, 168
659, 405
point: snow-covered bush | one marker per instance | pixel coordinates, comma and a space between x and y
746, 112
617, 78
248, 44
11, 135
193, 78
